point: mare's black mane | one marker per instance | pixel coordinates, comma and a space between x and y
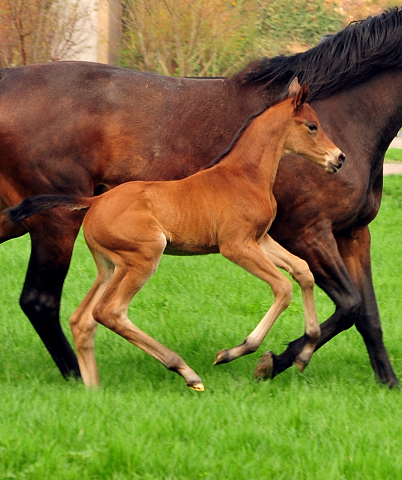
341, 60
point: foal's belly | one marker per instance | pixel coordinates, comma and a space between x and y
189, 250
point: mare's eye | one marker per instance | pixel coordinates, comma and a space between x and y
312, 127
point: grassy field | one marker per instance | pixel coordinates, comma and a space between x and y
331, 422
393, 155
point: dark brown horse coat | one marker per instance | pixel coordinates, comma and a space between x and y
80, 128
227, 208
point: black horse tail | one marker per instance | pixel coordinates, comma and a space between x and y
33, 205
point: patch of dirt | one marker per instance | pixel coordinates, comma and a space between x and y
360, 9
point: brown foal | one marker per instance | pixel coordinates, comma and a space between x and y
227, 208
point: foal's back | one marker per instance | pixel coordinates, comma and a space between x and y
232, 199
193, 214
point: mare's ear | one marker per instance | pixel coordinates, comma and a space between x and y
291, 91
294, 88
301, 96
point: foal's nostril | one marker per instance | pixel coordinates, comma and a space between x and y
342, 158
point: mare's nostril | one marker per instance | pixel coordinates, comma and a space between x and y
342, 158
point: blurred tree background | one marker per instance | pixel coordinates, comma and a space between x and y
218, 37
34, 31
178, 37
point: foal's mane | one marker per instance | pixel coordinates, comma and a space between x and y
235, 139
240, 132
341, 60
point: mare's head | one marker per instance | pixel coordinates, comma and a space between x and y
306, 136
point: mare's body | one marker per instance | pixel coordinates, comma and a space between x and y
227, 208
79, 128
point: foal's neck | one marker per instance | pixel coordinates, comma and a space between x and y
259, 149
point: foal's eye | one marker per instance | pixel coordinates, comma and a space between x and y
312, 127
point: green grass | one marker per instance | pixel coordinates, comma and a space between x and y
331, 422
393, 155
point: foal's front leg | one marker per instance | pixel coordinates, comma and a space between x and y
267, 256
252, 258
301, 273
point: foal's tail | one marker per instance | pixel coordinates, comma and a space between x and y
33, 205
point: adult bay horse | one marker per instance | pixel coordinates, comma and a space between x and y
229, 208
81, 128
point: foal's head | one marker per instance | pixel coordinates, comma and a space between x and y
306, 136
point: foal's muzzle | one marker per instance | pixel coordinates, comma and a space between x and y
336, 167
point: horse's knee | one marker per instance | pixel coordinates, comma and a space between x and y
302, 274
351, 307
348, 310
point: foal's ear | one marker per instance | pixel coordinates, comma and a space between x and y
301, 96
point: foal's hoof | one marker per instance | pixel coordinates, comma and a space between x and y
265, 367
222, 357
198, 387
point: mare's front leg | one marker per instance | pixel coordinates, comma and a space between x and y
252, 258
52, 237
350, 287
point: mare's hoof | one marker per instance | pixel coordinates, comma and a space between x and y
265, 367
222, 357
300, 363
198, 387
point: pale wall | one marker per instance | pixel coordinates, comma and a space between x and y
102, 30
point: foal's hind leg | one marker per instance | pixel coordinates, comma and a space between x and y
111, 311
252, 258
83, 326
301, 273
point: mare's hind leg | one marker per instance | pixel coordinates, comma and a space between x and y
355, 252
301, 273
111, 311
252, 258
52, 245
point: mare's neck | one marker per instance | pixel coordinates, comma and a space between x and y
363, 120
257, 152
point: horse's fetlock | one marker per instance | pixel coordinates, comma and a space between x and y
314, 333
251, 345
